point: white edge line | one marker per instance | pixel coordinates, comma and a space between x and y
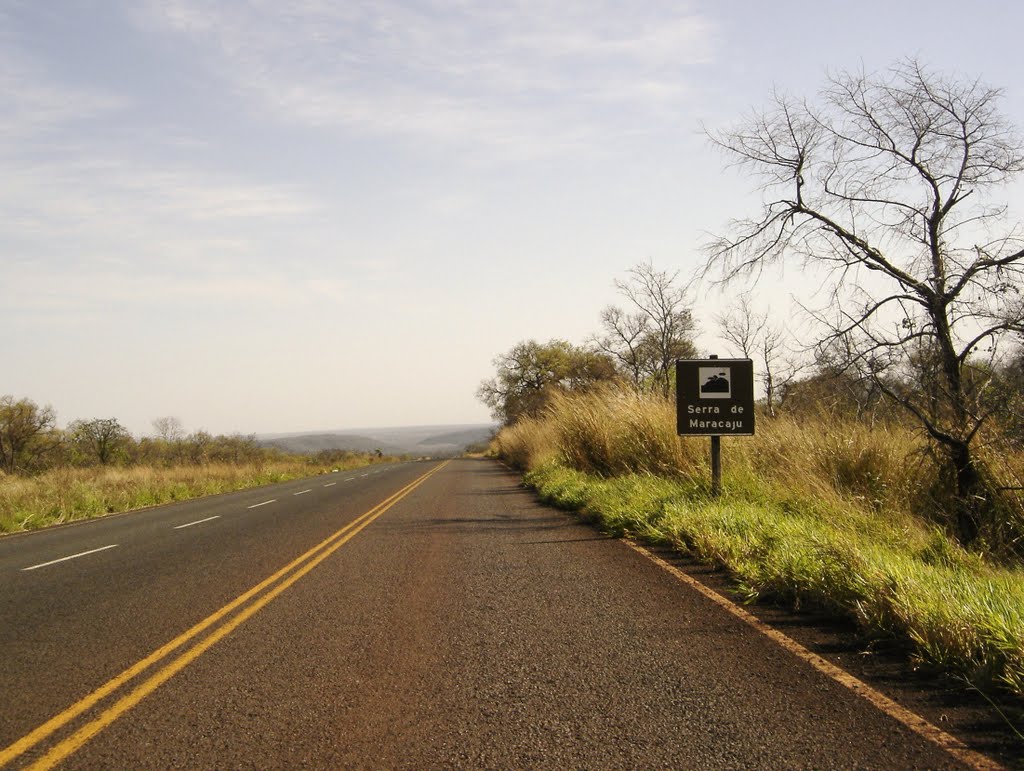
257, 505
197, 522
911, 720
71, 557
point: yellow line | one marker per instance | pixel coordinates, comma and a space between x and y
911, 720
325, 548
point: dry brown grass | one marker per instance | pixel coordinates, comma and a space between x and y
528, 444
610, 431
64, 495
877, 466
617, 431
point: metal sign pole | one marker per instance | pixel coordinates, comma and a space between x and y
716, 466
716, 459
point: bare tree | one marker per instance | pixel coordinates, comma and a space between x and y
169, 428
754, 336
882, 185
623, 338
646, 339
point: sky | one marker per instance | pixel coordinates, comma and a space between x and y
261, 216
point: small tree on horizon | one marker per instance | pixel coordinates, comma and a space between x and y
169, 428
655, 329
754, 336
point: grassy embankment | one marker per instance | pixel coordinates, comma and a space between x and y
68, 494
825, 514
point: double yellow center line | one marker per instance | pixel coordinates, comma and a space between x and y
265, 591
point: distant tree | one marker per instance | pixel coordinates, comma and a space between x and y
836, 392
198, 446
169, 428
26, 433
881, 186
654, 330
754, 336
531, 371
100, 439
624, 337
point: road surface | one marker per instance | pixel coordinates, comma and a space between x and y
416, 615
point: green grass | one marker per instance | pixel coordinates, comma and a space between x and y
911, 583
66, 495
823, 515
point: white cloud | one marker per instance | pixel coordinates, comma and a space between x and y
76, 192
85, 193
34, 107
35, 294
523, 78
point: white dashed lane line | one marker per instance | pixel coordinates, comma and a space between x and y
70, 557
197, 522
189, 524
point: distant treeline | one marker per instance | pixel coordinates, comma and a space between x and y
31, 443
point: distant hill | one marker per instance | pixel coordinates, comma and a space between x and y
313, 443
413, 440
462, 438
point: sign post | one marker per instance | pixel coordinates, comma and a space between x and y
715, 397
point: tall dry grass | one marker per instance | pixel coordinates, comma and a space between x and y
880, 467
618, 431
608, 431
528, 444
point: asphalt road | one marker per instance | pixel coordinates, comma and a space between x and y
417, 615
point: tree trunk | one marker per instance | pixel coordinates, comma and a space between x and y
970, 498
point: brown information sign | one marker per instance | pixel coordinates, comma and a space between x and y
715, 397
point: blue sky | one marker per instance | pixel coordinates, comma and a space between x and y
262, 216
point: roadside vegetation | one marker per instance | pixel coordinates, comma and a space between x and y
819, 513
885, 481
95, 467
